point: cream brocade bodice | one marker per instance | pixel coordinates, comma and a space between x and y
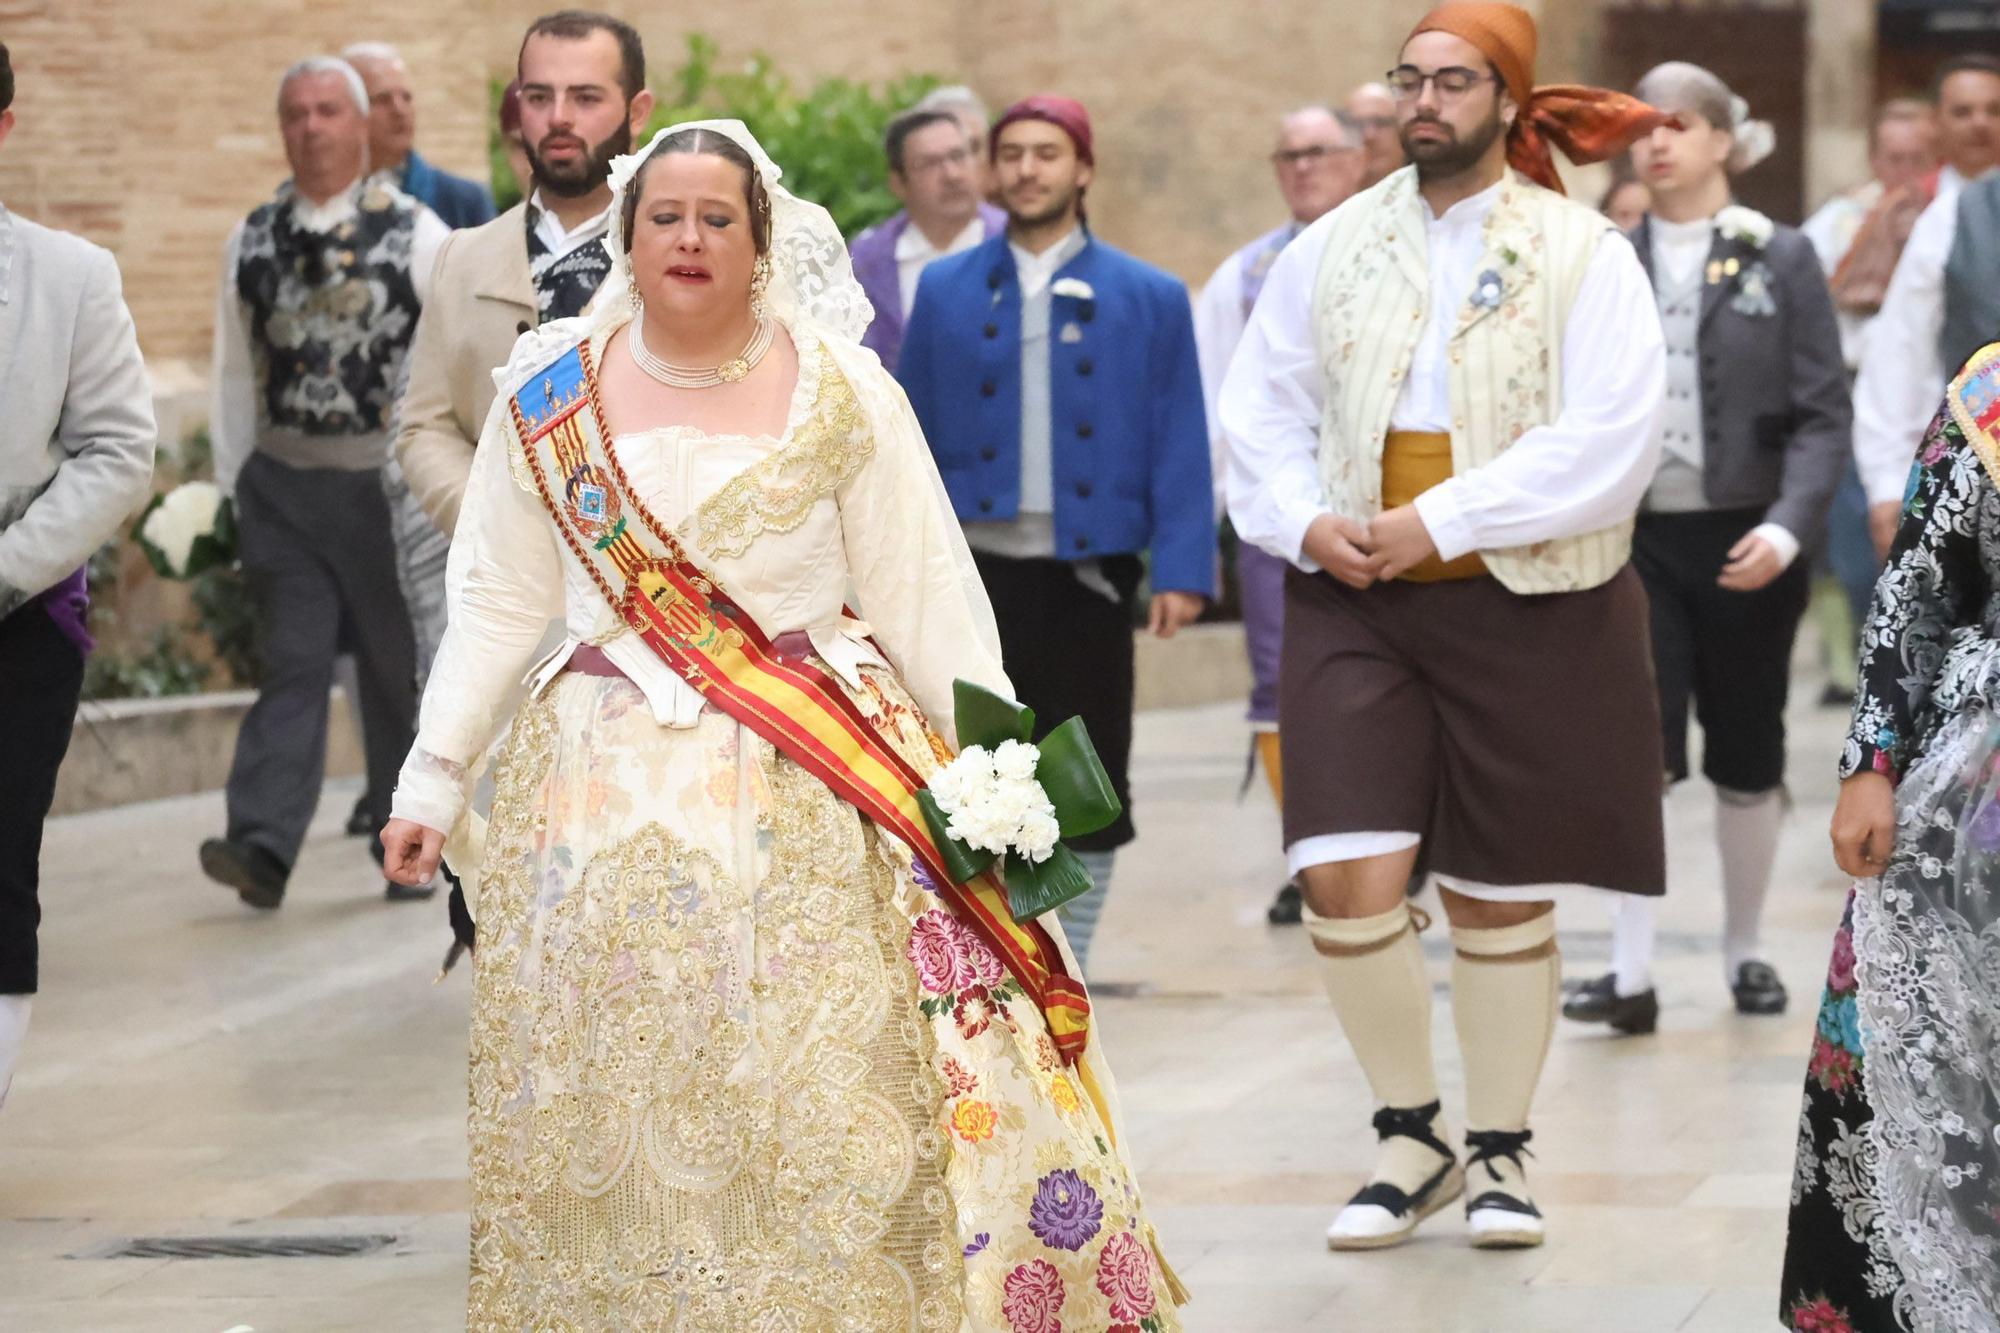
793, 526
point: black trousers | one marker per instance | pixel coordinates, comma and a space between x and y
1729, 654
1068, 649
41, 679
320, 558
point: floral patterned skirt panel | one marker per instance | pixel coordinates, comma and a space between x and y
1836, 1278
733, 1066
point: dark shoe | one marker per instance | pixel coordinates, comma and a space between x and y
362, 822
257, 876
1285, 908
1758, 990
1598, 1001
403, 893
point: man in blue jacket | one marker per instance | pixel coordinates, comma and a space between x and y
392, 133
1057, 383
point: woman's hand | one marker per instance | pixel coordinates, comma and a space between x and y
411, 852
1864, 824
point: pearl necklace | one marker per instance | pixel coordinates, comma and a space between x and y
679, 377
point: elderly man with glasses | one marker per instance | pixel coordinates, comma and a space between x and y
935, 169
1319, 161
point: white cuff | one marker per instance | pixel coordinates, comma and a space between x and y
1450, 532
430, 791
1781, 541
1292, 525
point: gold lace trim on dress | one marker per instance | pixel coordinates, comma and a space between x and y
777, 493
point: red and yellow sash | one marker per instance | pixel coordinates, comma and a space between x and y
682, 613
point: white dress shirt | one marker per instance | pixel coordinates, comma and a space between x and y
1902, 372
559, 239
1219, 321
232, 415
1583, 471
1036, 271
915, 253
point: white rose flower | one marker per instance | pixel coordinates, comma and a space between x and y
186, 514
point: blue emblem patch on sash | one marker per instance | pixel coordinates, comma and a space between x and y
552, 392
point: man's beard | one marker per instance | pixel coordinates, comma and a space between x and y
1059, 206
1441, 159
582, 175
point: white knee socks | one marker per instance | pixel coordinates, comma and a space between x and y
13, 1030
1746, 832
1633, 921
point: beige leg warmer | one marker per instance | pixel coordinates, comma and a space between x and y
1373, 968
1506, 989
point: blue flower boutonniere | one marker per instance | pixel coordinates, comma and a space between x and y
1487, 290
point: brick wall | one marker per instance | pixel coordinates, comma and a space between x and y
149, 125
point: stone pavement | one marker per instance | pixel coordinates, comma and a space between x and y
196, 1070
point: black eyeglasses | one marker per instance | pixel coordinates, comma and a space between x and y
1407, 81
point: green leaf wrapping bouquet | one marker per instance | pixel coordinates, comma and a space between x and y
1005, 799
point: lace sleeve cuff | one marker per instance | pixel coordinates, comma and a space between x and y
430, 791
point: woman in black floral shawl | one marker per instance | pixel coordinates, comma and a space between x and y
1895, 1220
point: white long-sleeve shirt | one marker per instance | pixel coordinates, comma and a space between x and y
232, 415
1583, 471
1902, 372
1219, 321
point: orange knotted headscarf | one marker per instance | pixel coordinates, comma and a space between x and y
1588, 124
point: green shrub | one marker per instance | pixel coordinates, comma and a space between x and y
828, 138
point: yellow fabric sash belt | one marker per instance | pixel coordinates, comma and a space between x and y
1413, 461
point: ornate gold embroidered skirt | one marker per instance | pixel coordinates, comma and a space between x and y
733, 1068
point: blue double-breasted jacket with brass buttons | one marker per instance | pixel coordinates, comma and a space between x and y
1128, 443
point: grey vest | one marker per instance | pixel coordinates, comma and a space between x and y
1679, 486
1972, 275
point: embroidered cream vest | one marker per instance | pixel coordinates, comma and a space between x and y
1371, 296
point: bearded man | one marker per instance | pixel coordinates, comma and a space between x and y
1441, 416
582, 100
1057, 382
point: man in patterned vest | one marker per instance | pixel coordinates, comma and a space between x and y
320, 294
1441, 416
1319, 162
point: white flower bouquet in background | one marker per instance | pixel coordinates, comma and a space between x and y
188, 530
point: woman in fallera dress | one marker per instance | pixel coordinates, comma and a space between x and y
739, 1059
1895, 1220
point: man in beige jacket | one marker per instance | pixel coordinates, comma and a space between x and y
583, 100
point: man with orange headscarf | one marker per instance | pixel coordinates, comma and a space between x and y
1442, 417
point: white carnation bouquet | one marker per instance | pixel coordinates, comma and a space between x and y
1009, 801
991, 801
188, 530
